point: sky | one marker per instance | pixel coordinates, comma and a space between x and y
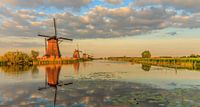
103, 27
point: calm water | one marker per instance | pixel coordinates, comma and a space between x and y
99, 84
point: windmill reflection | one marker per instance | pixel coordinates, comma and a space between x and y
52, 79
76, 67
52, 73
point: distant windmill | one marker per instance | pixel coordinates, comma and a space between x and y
87, 56
76, 53
52, 43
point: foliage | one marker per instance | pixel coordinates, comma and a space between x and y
1, 58
34, 54
194, 56
17, 58
146, 54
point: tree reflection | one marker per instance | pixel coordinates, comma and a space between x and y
146, 67
16, 69
35, 70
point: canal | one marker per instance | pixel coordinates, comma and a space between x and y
99, 84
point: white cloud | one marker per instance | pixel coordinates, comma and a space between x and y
59, 4
98, 22
188, 5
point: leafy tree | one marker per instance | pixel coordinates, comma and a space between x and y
146, 54
34, 54
17, 58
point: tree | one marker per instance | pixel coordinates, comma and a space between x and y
34, 54
17, 58
146, 54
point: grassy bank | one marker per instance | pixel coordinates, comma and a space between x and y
47, 61
58, 61
186, 63
13, 58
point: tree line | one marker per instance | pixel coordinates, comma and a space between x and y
19, 58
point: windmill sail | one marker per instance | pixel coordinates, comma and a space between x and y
54, 20
45, 46
44, 35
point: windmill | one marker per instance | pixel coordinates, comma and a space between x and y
76, 53
52, 43
87, 56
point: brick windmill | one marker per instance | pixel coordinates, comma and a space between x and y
52, 43
76, 53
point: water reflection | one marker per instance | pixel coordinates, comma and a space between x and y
52, 79
101, 84
76, 67
16, 70
146, 67
52, 72
35, 70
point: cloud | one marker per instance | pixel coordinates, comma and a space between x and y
115, 2
102, 22
19, 22
59, 4
172, 33
188, 5
97, 22
186, 21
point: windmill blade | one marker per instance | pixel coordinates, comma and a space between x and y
54, 20
65, 38
45, 46
43, 35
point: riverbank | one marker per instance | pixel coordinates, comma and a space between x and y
179, 63
49, 61
58, 61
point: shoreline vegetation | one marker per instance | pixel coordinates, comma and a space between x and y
191, 62
24, 59
176, 62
